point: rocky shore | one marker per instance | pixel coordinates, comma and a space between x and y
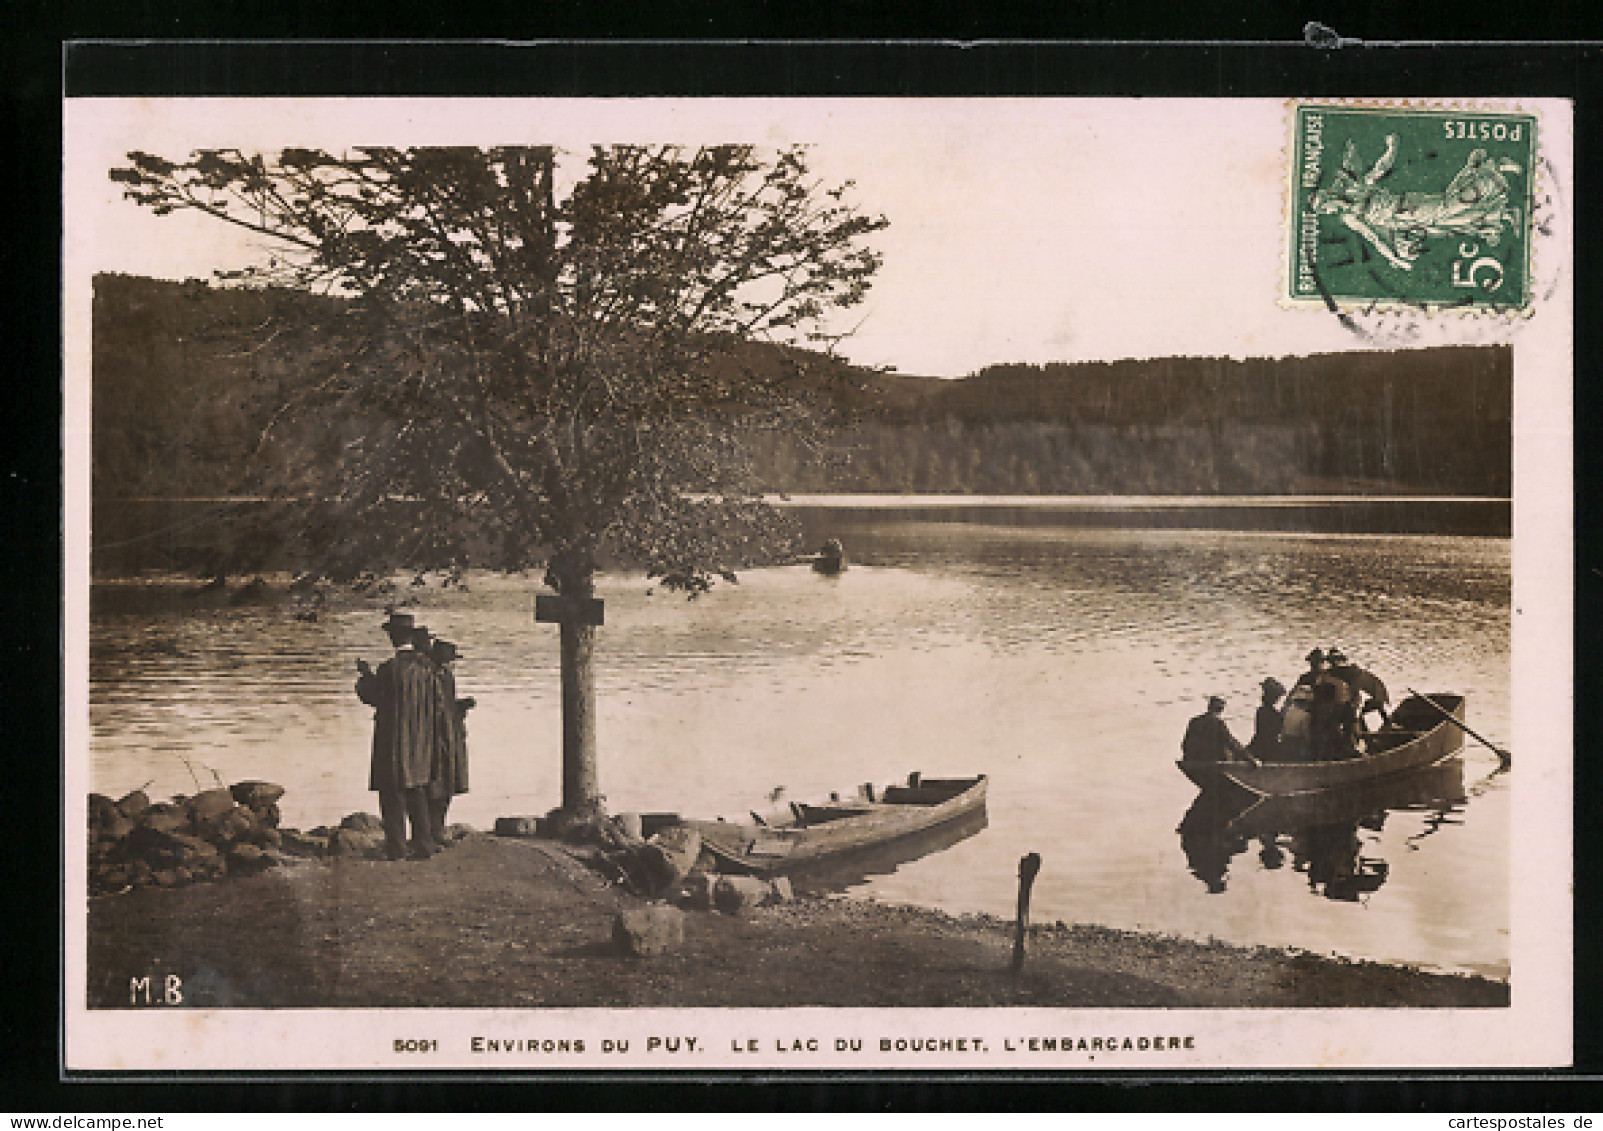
520, 921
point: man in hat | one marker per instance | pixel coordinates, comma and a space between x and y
1265, 744
1361, 682
403, 693
1316, 668
1208, 739
1332, 717
451, 740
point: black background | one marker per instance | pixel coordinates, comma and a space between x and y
572, 49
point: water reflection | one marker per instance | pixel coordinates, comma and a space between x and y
1327, 835
849, 870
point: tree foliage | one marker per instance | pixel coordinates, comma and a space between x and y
525, 366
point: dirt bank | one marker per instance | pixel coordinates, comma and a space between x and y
497, 922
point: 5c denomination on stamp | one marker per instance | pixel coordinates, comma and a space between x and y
1411, 207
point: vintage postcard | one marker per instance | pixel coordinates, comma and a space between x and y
1066, 585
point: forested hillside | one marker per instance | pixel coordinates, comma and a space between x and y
187, 383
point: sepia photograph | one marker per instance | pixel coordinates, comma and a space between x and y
715, 584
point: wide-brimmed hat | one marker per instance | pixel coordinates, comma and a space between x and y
398, 622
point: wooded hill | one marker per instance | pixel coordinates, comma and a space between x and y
185, 382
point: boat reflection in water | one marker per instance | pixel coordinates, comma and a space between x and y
1319, 832
847, 870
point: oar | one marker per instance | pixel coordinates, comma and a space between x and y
1503, 756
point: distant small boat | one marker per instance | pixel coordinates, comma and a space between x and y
1418, 734
831, 559
825, 833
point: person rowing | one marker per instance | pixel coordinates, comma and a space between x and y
831, 559
1208, 738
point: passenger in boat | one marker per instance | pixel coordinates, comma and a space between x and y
831, 558
1362, 683
1316, 668
1265, 744
451, 739
1208, 738
1331, 721
1294, 734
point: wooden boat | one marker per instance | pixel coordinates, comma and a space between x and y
1438, 788
842, 870
1417, 735
823, 834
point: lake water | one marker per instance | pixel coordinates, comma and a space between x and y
1061, 659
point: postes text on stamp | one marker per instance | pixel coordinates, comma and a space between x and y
1411, 207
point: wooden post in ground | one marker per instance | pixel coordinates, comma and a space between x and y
1028, 867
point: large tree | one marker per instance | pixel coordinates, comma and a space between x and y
525, 368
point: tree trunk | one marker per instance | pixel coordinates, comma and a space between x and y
580, 795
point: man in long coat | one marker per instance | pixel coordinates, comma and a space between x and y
451, 739
404, 695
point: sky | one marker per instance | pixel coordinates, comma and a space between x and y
1027, 230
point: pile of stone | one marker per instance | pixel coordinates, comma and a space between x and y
733, 895
668, 868
659, 928
134, 842
617, 847
218, 833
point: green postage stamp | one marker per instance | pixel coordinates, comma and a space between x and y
1395, 206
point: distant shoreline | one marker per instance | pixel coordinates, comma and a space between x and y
132, 535
870, 500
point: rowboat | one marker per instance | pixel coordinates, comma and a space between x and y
842, 870
1437, 788
812, 836
1418, 734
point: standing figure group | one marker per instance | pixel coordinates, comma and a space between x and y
419, 737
